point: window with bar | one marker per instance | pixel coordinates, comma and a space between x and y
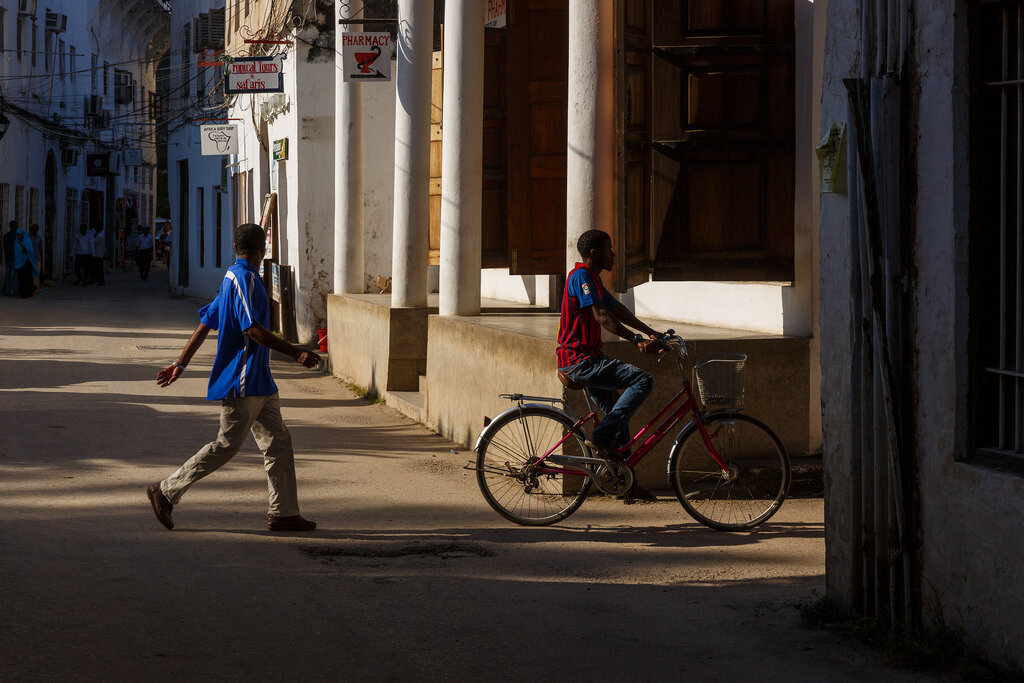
996, 283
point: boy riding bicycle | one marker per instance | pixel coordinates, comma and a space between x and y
586, 308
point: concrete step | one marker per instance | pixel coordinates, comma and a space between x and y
409, 403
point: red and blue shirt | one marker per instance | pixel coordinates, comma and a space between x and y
241, 367
579, 334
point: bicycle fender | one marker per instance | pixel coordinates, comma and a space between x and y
489, 429
685, 432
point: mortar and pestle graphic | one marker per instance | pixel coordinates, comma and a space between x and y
365, 59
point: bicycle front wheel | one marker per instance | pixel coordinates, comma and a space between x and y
505, 470
753, 488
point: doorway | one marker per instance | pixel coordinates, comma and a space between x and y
49, 214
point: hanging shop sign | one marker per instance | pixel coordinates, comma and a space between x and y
251, 75
366, 56
281, 149
219, 139
133, 157
495, 17
98, 165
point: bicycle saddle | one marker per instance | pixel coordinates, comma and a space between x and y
568, 383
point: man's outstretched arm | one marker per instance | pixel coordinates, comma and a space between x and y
265, 337
168, 375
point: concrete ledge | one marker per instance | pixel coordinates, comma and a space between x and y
473, 359
468, 365
376, 346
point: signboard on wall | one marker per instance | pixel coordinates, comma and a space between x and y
281, 149
252, 75
495, 16
218, 139
366, 56
133, 157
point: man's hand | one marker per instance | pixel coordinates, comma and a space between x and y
652, 345
308, 359
168, 375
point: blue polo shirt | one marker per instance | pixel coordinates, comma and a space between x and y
241, 367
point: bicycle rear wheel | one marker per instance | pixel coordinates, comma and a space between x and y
754, 487
504, 473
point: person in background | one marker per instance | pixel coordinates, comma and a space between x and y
144, 252
25, 264
99, 252
165, 238
10, 277
83, 256
37, 247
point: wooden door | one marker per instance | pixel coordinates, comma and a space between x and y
538, 72
722, 164
494, 238
633, 128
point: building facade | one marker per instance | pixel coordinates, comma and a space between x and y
921, 317
79, 90
199, 187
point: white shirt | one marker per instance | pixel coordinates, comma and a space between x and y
83, 244
145, 241
99, 243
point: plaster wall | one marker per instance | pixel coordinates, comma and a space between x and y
970, 545
496, 283
969, 535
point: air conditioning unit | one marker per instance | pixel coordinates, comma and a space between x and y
27, 7
69, 156
58, 23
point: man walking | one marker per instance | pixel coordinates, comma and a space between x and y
99, 252
241, 381
144, 252
37, 247
83, 256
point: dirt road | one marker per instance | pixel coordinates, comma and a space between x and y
410, 577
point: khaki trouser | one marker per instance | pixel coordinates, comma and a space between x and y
262, 416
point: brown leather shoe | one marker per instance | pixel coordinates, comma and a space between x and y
161, 506
292, 523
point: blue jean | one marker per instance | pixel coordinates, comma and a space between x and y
602, 378
10, 279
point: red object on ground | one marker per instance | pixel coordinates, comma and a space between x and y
322, 334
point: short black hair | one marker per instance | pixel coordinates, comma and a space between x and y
13, 225
590, 240
249, 239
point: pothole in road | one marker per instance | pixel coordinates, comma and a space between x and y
450, 549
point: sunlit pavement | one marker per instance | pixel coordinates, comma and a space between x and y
410, 576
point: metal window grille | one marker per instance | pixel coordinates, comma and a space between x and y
33, 207
5, 205
1001, 38
19, 205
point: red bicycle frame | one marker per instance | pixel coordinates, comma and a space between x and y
669, 416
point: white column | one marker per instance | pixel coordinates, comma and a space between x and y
462, 157
411, 232
590, 170
348, 168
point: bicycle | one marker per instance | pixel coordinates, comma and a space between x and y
729, 471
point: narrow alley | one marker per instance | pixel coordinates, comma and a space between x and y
410, 575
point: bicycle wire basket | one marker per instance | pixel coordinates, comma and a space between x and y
719, 379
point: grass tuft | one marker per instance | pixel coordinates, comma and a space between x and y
364, 393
